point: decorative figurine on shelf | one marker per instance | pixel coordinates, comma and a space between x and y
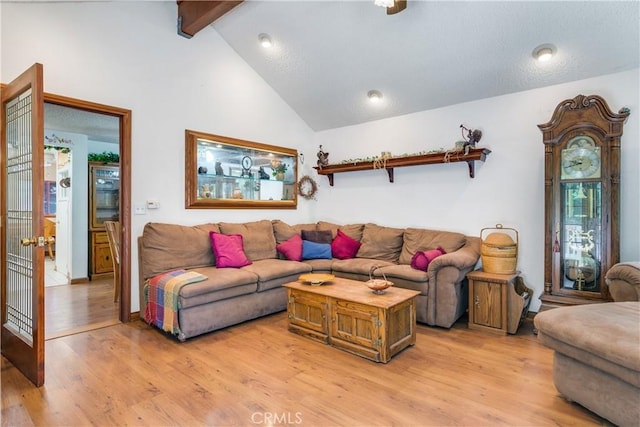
219, 170
262, 173
202, 170
472, 138
380, 162
323, 158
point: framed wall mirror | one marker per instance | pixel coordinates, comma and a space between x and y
230, 173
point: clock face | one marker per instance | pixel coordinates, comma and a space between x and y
580, 162
247, 162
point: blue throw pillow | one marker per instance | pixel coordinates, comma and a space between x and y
313, 250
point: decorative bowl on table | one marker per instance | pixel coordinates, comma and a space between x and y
378, 286
316, 279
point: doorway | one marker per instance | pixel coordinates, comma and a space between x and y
73, 302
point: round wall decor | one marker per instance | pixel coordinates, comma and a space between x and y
307, 187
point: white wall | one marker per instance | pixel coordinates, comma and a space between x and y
127, 54
508, 187
79, 201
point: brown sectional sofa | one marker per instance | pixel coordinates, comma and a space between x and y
232, 295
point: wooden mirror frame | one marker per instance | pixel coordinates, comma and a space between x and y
228, 186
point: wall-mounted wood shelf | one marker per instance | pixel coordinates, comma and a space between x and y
397, 162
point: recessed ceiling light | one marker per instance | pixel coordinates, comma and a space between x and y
265, 40
544, 52
384, 3
374, 96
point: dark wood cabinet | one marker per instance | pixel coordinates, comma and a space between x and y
582, 198
104, 205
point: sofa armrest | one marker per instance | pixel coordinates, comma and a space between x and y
462, 259
623, 280
443, 294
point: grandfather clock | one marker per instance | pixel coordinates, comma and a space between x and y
582, 199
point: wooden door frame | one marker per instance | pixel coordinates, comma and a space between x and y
124, 117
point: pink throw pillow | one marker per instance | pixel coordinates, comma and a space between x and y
422, 259
292, 248
344, 247
228, 250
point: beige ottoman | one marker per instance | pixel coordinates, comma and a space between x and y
597, 357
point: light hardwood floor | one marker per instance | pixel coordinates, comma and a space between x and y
258, 373
70, 309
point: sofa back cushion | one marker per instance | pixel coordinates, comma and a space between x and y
284, 231
384, 243
258, 238
352, 230
422, 239
166, 247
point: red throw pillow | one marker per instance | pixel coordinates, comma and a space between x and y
292, 248
228, 250
422, 259
344, 247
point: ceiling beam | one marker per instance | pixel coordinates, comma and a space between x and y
195, 15
398, 6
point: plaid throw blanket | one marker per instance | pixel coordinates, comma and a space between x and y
161, 294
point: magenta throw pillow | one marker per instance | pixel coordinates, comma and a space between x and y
292, 248
228, 250
422, 259
344, 247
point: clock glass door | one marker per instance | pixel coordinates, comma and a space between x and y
580, 242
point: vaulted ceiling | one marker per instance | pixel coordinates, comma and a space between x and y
327, 55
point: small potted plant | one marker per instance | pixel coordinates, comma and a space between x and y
279, 170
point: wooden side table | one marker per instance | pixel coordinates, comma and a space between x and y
489, 308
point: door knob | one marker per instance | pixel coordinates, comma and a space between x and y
29, 241
33, 241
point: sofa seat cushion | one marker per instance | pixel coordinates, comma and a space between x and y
221, 283
404, 276
319, 265
268, 270
360, 266
605, 336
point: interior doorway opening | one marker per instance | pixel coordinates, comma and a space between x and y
73, 302
75, 133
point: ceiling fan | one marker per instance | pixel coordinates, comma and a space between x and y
392, 6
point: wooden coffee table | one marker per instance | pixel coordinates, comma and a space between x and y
346, 314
